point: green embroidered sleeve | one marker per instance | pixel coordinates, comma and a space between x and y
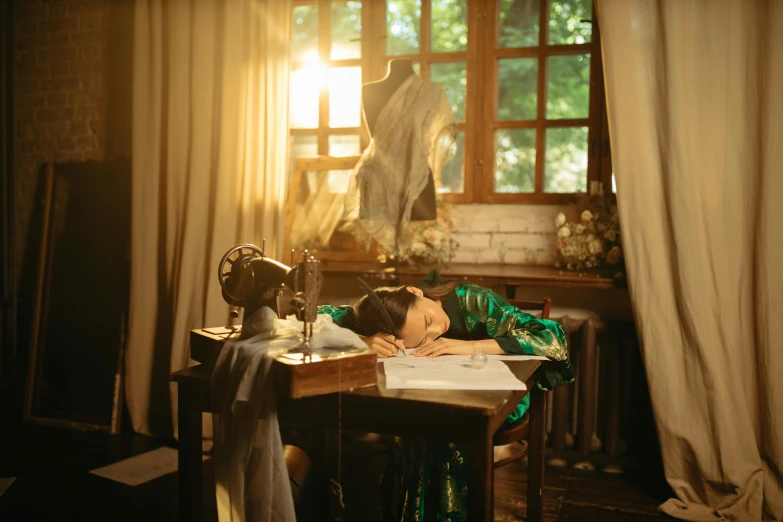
488, 314
341, 315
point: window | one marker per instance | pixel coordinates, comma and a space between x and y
326, 78
523, 78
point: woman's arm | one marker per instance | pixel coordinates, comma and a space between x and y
446, 346
341, 315
516, 332
384, 345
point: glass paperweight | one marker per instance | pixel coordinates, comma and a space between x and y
479, 359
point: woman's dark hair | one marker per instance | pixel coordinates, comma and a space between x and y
397, 300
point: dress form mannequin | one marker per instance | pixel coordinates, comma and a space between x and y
376, 94
374, 98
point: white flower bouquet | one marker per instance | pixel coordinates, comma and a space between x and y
594, 240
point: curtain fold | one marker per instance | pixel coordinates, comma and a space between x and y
210, 139
695, 96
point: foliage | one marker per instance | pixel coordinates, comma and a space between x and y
592, 241
346, 20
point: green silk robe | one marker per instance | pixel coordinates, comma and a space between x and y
427, 481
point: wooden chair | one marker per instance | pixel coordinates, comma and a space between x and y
519, 429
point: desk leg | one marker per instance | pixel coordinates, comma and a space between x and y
535, 466
189, 477
481, 501
321, 489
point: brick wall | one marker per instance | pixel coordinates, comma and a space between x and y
512, 234
72, 89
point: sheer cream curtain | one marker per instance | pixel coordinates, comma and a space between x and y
210, 137
695, 98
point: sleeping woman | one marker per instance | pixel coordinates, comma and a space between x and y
439, 317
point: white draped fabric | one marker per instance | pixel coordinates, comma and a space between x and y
210, 135
695, 100
251, 478
415, 134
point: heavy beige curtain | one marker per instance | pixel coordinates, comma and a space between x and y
210, 108
695, 98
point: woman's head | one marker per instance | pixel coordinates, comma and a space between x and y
417, 314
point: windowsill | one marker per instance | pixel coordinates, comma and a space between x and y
484, 273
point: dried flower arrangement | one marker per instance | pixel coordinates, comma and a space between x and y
593, 241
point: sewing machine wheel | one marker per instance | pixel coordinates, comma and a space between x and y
229, 270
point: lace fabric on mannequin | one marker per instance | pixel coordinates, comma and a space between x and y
415, 134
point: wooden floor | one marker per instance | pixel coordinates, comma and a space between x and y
53, 483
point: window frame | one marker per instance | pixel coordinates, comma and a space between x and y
323, 131
481, 61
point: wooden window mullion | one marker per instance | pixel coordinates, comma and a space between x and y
484, 141
425, 45
324, 51
543, 34
594, 125
368, 46
471, 167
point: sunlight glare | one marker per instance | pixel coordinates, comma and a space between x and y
306, 86
345, 92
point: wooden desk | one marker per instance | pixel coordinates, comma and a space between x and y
466, 417
542, 281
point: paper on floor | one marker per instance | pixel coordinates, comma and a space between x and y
141, 468
448, 372
5, 483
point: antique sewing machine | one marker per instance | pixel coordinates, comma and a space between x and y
250, 280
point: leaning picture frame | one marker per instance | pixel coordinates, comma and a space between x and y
80, 302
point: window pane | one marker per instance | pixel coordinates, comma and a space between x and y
449, 26
305, 33
344, 145
306, 85
302, 147
515, 160
517, 87
403, 19
346, 31
565, 170
568, 84
345, 92
338, 181
454, 79
453, 175
565, 21
518, 23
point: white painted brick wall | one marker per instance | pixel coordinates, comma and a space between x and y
510, 234
473, 240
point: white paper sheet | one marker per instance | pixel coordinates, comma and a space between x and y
142, 468
408, 352
448, 372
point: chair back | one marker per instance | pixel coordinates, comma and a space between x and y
520, 429
544, 305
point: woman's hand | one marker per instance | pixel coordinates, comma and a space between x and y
444, 346
384, 345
